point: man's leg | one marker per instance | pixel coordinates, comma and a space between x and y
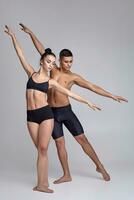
58, 136
75, 127
62, 154
88, 149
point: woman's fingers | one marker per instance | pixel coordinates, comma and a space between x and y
94, 107
98, 108
8, 30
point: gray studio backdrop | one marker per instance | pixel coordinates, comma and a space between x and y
100, 35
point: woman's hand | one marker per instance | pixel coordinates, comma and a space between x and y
8, 31
24, 28
93, 106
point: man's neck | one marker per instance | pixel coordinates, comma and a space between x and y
63, 70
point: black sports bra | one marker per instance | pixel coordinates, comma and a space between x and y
31, 84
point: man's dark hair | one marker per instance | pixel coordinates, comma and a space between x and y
65, 53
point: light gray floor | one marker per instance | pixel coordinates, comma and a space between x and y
86, 184
18, 168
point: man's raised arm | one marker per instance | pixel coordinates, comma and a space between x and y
38, 45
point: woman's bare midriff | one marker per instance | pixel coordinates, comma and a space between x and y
35, 99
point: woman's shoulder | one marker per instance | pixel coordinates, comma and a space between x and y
31, 73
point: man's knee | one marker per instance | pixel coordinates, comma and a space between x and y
81, 139
60, 143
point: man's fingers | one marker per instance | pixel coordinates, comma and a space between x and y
21, 24
6, 26
124, 100
121, 99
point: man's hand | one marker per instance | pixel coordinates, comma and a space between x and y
24, 28
119, 98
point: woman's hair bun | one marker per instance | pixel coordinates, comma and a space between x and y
48, 50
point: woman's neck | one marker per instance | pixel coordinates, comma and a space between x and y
42, 72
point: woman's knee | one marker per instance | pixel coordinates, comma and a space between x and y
42, 149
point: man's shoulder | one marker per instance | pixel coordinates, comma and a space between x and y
75, 76
55, 69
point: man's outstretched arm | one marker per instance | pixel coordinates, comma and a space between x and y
38, 45
98, 90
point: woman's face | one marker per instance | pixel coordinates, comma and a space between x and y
48, 62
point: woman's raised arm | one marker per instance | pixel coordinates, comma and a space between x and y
27, 67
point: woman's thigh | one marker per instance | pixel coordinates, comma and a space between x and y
33, 130
45, 132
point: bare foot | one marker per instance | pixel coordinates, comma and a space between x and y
42, 189
63, 179
103, 172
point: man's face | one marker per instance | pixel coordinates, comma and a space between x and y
66, 63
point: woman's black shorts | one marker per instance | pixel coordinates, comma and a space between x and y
40, 114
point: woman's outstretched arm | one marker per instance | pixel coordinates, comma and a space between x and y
67, 92
27, 67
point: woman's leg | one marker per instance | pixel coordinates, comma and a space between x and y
44, 135
33, 130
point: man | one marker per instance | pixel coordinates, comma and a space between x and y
63, 113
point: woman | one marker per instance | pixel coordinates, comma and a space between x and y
39, 114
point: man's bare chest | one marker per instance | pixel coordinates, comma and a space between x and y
63, 79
